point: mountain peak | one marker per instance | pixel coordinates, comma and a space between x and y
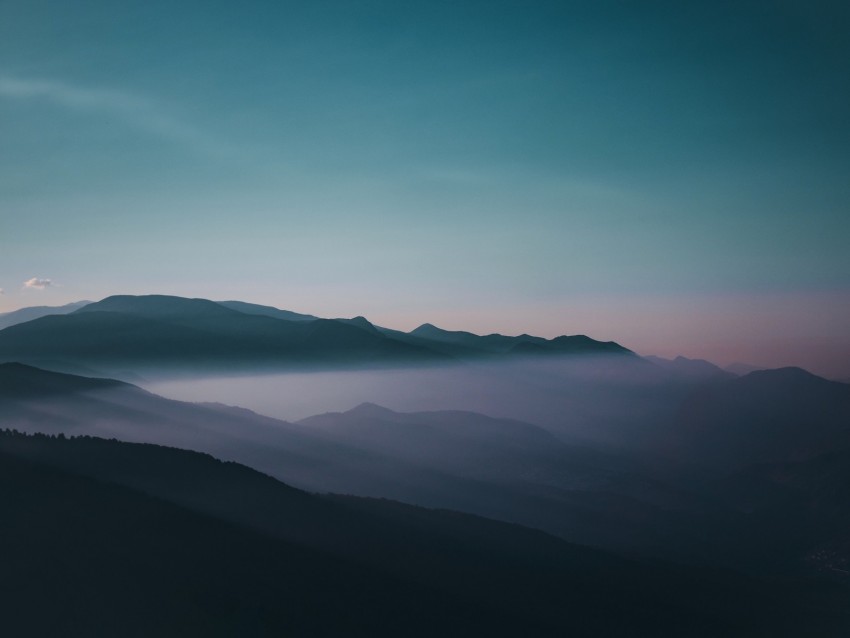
789, 373
426, 328
157, 305
363, 323
368, 409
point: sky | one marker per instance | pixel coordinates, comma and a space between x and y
672, 176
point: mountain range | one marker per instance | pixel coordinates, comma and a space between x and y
766, 416
36, 312
657, 500
158, 332
501, 468
572, 486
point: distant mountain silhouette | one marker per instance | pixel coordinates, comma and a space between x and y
499, 468
21, 382
521, 345
741, 369
461, 443
495, 467
160, 332
768, 416
35, 312
362, 323
266, 311
692, 368
138, 539
35, 400
161, 307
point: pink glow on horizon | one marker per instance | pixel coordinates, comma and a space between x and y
806, 329
809, 330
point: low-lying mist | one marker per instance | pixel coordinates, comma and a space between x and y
576, 396
630, 456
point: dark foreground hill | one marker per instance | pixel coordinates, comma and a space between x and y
83, 557
108, 538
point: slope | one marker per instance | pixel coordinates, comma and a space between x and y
502, 574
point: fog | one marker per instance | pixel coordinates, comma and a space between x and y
622, 454
502, 469
586, 397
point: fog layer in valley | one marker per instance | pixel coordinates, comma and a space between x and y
647, 459
577, 397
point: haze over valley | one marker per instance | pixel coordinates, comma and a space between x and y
586, 440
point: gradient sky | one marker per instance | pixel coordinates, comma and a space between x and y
674, 176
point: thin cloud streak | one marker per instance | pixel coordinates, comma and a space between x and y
135, 110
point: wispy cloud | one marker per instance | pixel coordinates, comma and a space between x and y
38, 283
137, 111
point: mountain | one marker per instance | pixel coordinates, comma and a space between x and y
35, 400
498, 468
172, 333
694, 369
22, 383
162, 307
768, 416
162, 541
741, 369
90, 557
464, 444
154, 334
35, 312
362, 323
521, 345
266, 311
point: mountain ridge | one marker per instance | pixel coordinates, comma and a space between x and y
141, 332
34, 312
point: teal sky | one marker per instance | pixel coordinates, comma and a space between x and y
670, 175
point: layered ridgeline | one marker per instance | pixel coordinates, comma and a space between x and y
155, 331
767, 416
36, 312
500, 468
139, 540
736, 512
